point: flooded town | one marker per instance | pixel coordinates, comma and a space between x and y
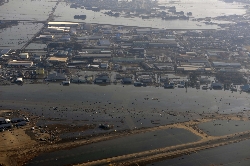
115, 82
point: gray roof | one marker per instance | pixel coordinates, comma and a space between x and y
225, 64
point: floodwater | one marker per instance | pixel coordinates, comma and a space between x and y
16, 36
205, 8
200, 9
101, 18
35, 10
224, 127
136, 107
228, 155
121, 146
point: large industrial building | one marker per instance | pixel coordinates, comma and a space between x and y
63, 24
15, 63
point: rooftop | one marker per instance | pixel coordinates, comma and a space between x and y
57, 59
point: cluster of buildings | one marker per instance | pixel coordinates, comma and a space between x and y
136, 55
6, 123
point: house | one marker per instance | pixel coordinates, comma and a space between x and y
2, 120
104, 65
22, 123
15, 120
217, 86
78, 79
245, 88
127, 80
102, 79
56, 76
139, 84
169, 85
5, 126
145, 79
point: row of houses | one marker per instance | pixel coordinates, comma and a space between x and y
9, 123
